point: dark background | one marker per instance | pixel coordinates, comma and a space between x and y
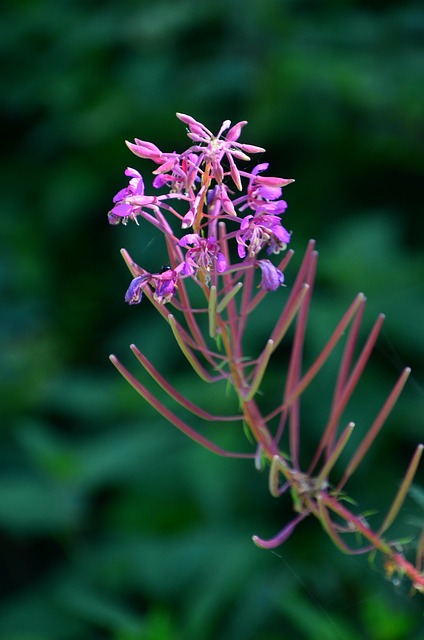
113, 525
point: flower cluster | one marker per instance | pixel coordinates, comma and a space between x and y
198, 177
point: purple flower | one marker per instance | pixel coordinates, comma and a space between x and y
258, 231
135, 290
263, 193
203, 254
272, 278
130, 200
164, 284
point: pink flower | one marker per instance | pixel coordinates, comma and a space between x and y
263, 193
203, 254
258, 231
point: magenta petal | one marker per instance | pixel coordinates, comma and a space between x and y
185, 269
144, 150
270, 193
141, 201
260, 167
235, 131
159, 181
221, 263
281, 234
272, 278
165, 167
241, 249
120, 195
133, 173
279, 207
123, 210
245, 224
135, 290
189, 238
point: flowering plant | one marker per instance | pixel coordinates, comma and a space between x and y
228, 233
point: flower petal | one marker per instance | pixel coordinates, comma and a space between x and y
135, 290
272, 278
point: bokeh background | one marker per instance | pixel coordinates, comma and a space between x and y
112, 524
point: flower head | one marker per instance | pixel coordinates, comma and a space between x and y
202, 179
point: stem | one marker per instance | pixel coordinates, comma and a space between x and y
260, 370
259, 429
375, 428
400, 562
212, 311
171, 417
325, 353
336, 453
201, 372
403, 490
175, 395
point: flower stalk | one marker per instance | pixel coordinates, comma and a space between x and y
222, 229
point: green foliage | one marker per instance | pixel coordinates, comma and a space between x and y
112, 525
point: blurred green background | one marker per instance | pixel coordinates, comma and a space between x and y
112, 524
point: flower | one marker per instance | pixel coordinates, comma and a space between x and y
164, 283
263, 192
272, 278
135, 290
130, 200
203, 253
259, 230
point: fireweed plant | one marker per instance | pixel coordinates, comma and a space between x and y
229, 229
